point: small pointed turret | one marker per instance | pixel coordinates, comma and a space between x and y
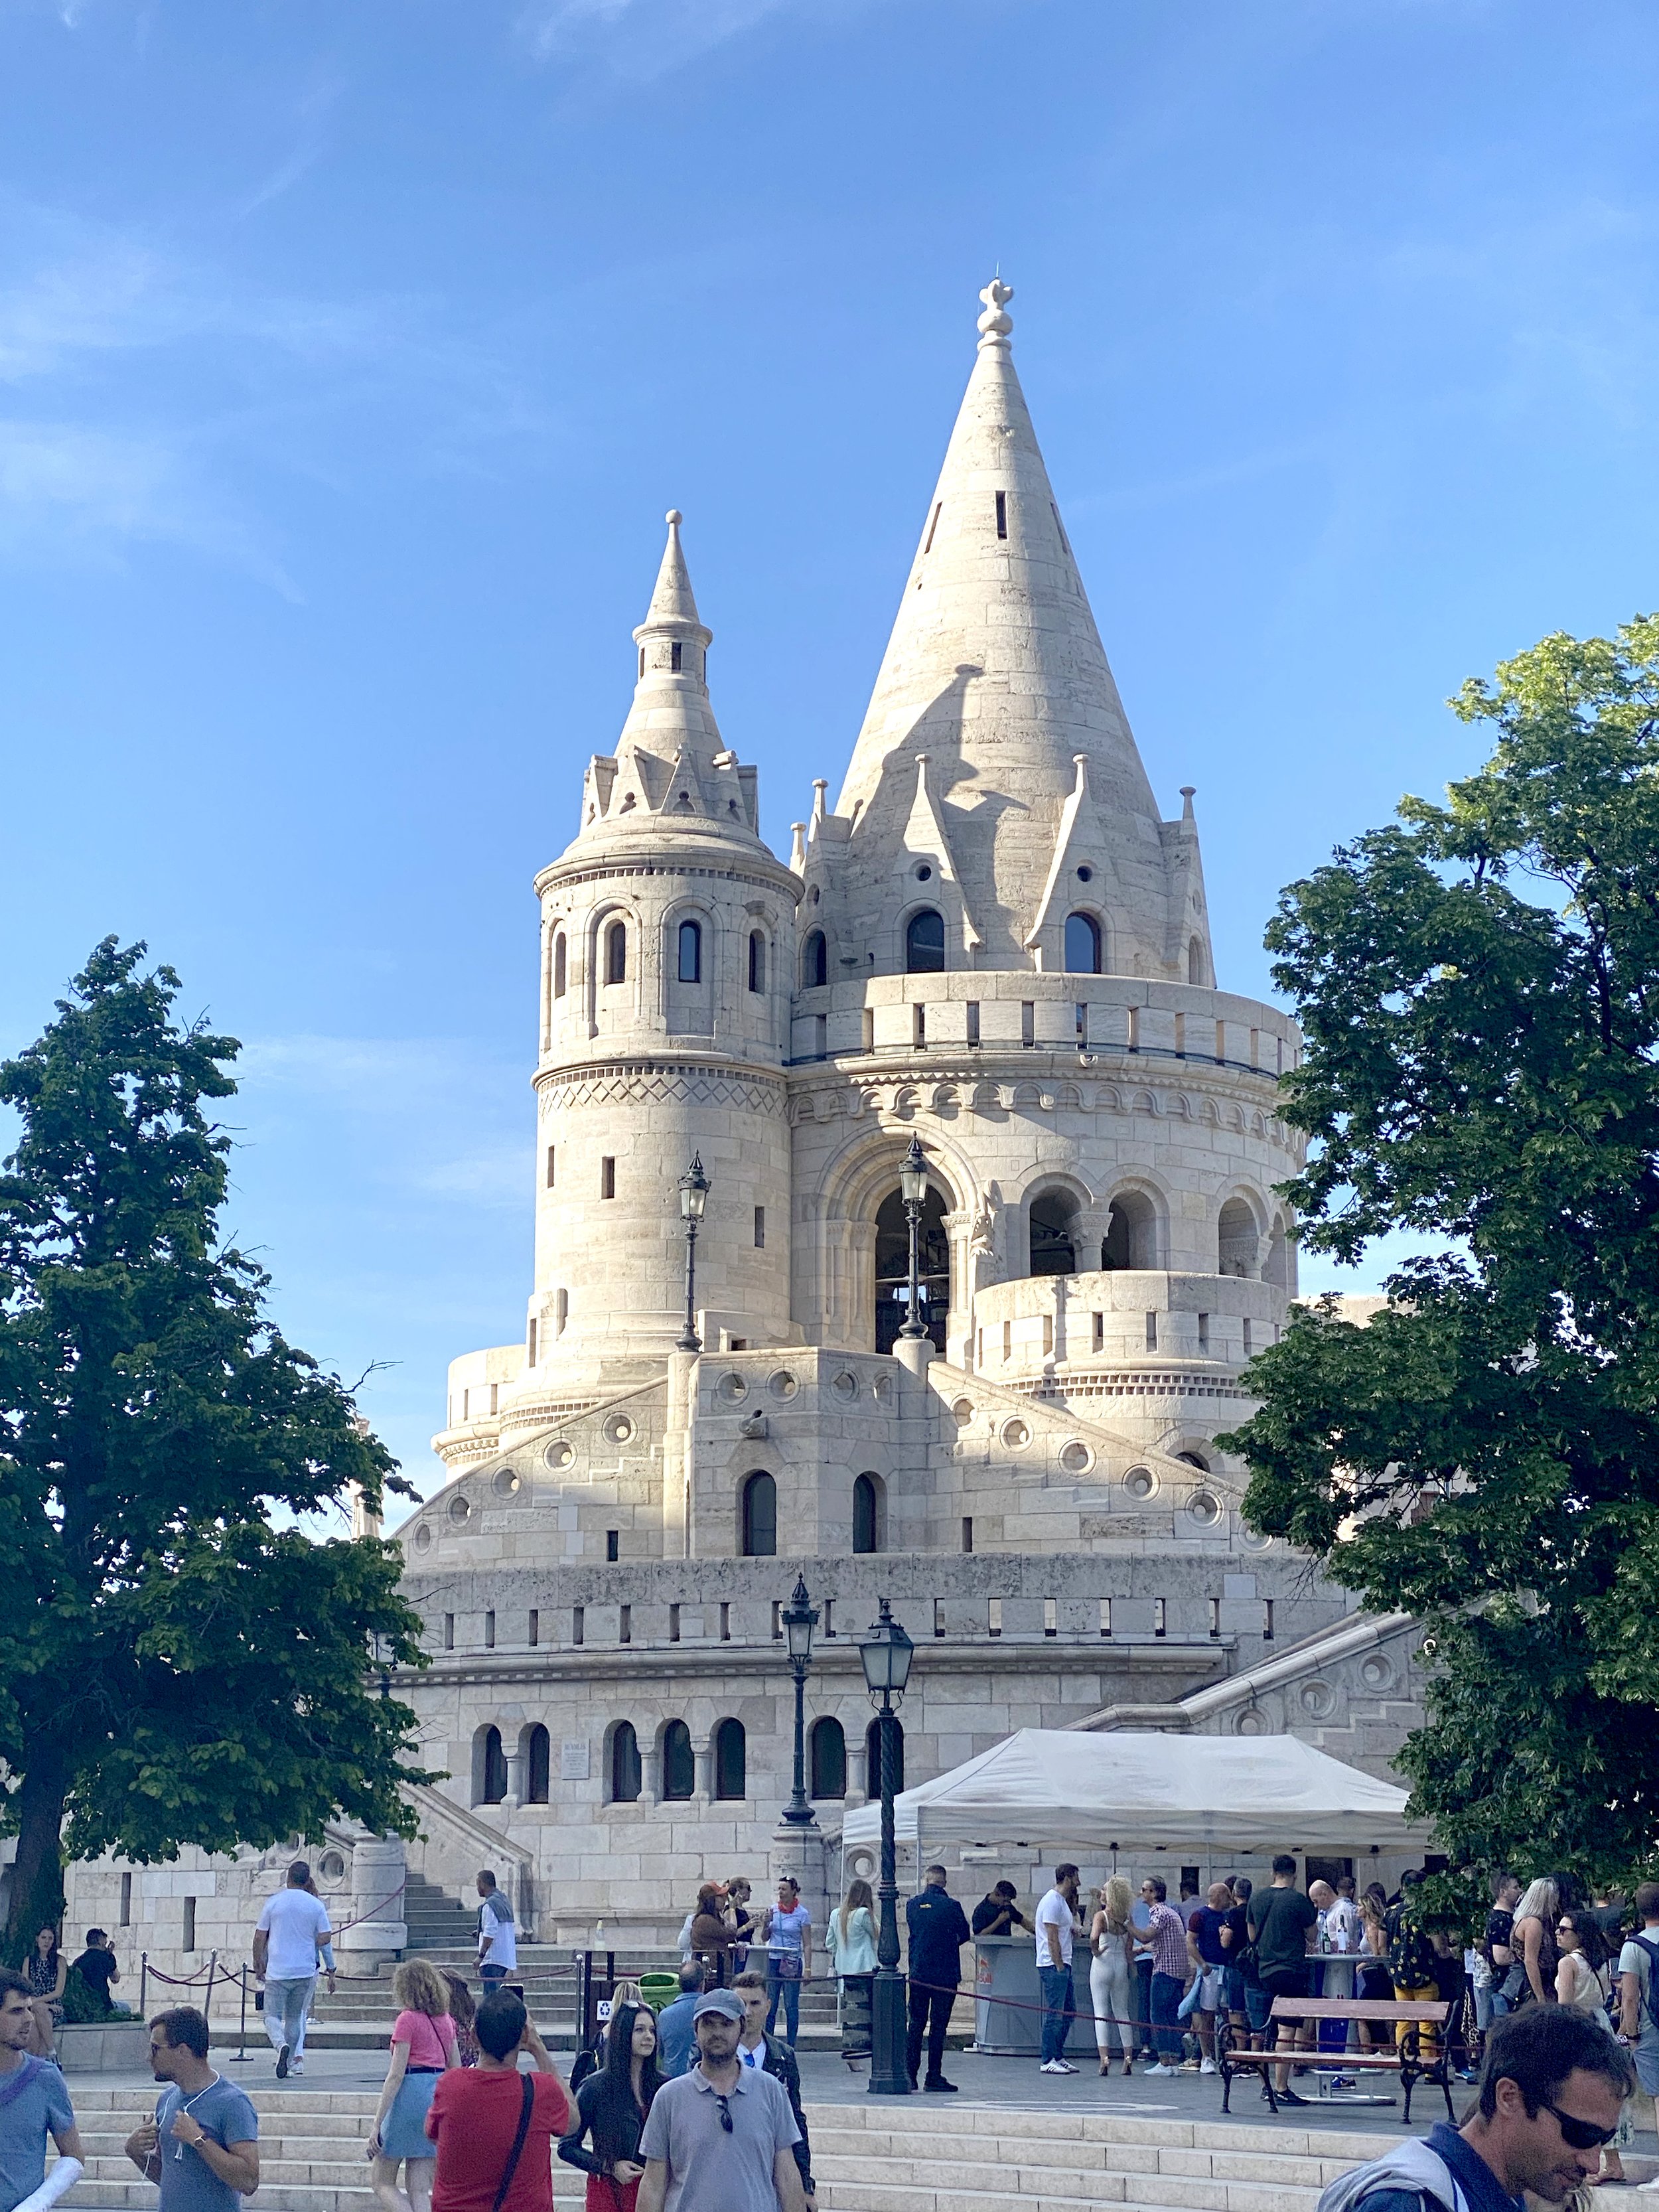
671, 760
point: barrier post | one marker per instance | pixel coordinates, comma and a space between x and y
207, 2000
241, 2031
143, 1983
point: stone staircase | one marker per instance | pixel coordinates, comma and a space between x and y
873, 2157
434, 1920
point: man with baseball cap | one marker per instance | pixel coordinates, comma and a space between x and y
722, 2138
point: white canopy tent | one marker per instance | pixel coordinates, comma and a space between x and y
1132, 1791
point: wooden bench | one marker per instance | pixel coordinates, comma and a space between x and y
1405, 2058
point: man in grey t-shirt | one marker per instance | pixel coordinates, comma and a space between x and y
720, 2138
33, 2105
202, 2148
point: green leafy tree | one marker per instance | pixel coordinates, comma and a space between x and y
1478, 985
178, 1663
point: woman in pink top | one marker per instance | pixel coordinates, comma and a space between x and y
422, 2046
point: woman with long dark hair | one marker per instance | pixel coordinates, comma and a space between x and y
611, 2106
45, 1969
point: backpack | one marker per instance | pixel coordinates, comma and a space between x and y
1651, 1998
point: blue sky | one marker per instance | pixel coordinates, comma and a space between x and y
349, 357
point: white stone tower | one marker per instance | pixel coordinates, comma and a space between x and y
667, 937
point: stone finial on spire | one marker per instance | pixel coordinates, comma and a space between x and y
1189, 793
672, 607
995, 323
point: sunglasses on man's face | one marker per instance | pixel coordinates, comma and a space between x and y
1579, 2135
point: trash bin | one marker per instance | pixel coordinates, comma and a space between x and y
658, 1990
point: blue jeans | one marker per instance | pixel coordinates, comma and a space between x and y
777, 1987
1166, 2017
492, 1978
1143, 2005
1056, 1985
1258, 2007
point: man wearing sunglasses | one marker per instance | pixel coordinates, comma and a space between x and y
1550, 2093
722, 2138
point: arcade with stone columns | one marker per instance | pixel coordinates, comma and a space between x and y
997, 942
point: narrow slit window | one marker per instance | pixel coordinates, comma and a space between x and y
613, 1543
821, 1037
642, 663
1081, 1014
757, 960
534, 1331
690, 952
828, 1616
552, 1166
869, 1029
1051, 1616
449, 1632
676, 657
993, 1616
533, 1628
615, 953
1215, 1616
561, 966
1007, 1342
673, 1624
726, 1621
577, 1623
126, 1901
777, 1623
918, 1026
1266, 1620
607, 1176
973, 1021
927, 545
1134, 1029
625, 1625
1002, 515
1247, 1354
1028, 1023
966, 1532
1097, 1342
1160, 1617
760, 1227
1151, 1332
489, 1632
938, 1616
1204, 1332
1106, 1616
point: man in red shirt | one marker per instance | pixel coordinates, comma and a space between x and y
476, 2114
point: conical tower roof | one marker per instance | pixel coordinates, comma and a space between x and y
995, 670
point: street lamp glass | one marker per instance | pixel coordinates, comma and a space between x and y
799, 1619
913, 1174
693, 1190
886, 1653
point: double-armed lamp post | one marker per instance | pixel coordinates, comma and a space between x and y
886, 1652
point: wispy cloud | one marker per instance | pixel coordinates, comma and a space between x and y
171, 380
642, 40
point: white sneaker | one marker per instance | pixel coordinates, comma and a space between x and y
1207, 2067
1160, 2072
1051, 2066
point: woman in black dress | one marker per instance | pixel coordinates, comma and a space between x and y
611, 2110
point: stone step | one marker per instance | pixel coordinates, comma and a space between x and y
1121, 2194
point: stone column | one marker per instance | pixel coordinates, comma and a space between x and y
380, 1933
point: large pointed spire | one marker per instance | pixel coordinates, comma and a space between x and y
995, 670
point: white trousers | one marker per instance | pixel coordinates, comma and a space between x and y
1109, 1989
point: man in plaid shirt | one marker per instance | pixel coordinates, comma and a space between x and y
1166, 1939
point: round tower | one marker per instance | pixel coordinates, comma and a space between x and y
667, 950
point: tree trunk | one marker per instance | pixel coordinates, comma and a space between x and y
37, 1880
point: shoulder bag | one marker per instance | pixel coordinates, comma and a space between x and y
517, 2151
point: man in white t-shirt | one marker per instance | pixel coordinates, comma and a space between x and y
498, 1944
291, 1929
1055, 1924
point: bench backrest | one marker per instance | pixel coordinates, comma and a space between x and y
1397, 2008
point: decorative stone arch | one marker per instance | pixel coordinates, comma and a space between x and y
1135, 1224
757, 1513
677, 999
1090, 911
868, 1513
674, 1762
1279, 1265
622, 1767
1049, 1197
1241, 1232
595, 930
535, 1763
850, 1191
816, 959
489, 1775
938, 903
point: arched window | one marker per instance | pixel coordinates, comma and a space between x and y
873, 1757
757, 960
760, 1519
868, 1514
679, 1767
1236, 1239
691, 964
1053, 1220
814, 961
1131, 1239
893, 1267
1082, 945
615, 953
493, 1780
730, 1761
1279, 1269
828, 1758
1194, 961
624, 1765
537, 1766
924, 943
560, 965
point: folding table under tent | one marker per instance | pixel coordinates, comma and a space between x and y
1134, 1791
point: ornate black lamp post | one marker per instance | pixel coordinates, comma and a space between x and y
800, 1618
693, 1196
886, 1652
913, 1184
